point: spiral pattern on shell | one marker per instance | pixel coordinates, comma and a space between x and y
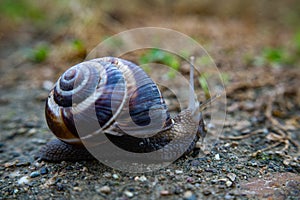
119, 93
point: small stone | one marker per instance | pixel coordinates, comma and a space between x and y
239, 166
15, 154
286, 162
23, 180
228, 183
44, 170
10, 164
115, 176
231, 176
32, 131
217, 157
223, 180
30, 124
161, 178
228, 196
128, 194
214, 181
253, 164
35, 174
23, 163
143, 178
105, 190
178, 172
227, 145
195, 163
177, 190
234, 144
69, 167
22, 130
107, 175
189, 179
59, 187
212, 170
164, 193
78, 189
206, 192
85, 169
188, 195
38, 141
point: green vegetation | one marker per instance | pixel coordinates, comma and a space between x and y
162, 57
39, 53
78, 46
225, 77
204, 84
18, 10
296, 40
280, 56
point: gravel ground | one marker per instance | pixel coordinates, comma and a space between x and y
226, 171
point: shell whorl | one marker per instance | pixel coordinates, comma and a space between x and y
103, 92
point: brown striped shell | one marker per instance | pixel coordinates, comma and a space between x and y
103, 93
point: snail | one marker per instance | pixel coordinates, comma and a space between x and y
114, 98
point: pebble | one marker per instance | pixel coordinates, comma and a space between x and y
35, 174
38, 141
44, 170
177, 190
143, 178
211, 170
78, 189
228, 183
189, 179
239, 166
84, 169
161, 178
59, 187
115, 176
178, 172
229, 196
195, 163
30, 124
217, 157
206, 192
107, 175
105, 190
252, 163
23, 180
188, 195
164, 193
32, 131
22, 130
23, 163
231, 176
128, 194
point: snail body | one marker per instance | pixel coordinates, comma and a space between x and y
112, 99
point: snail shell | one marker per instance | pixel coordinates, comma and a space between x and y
115, 97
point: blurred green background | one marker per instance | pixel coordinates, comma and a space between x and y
55, 34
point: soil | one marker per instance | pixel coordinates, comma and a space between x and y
255, 157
